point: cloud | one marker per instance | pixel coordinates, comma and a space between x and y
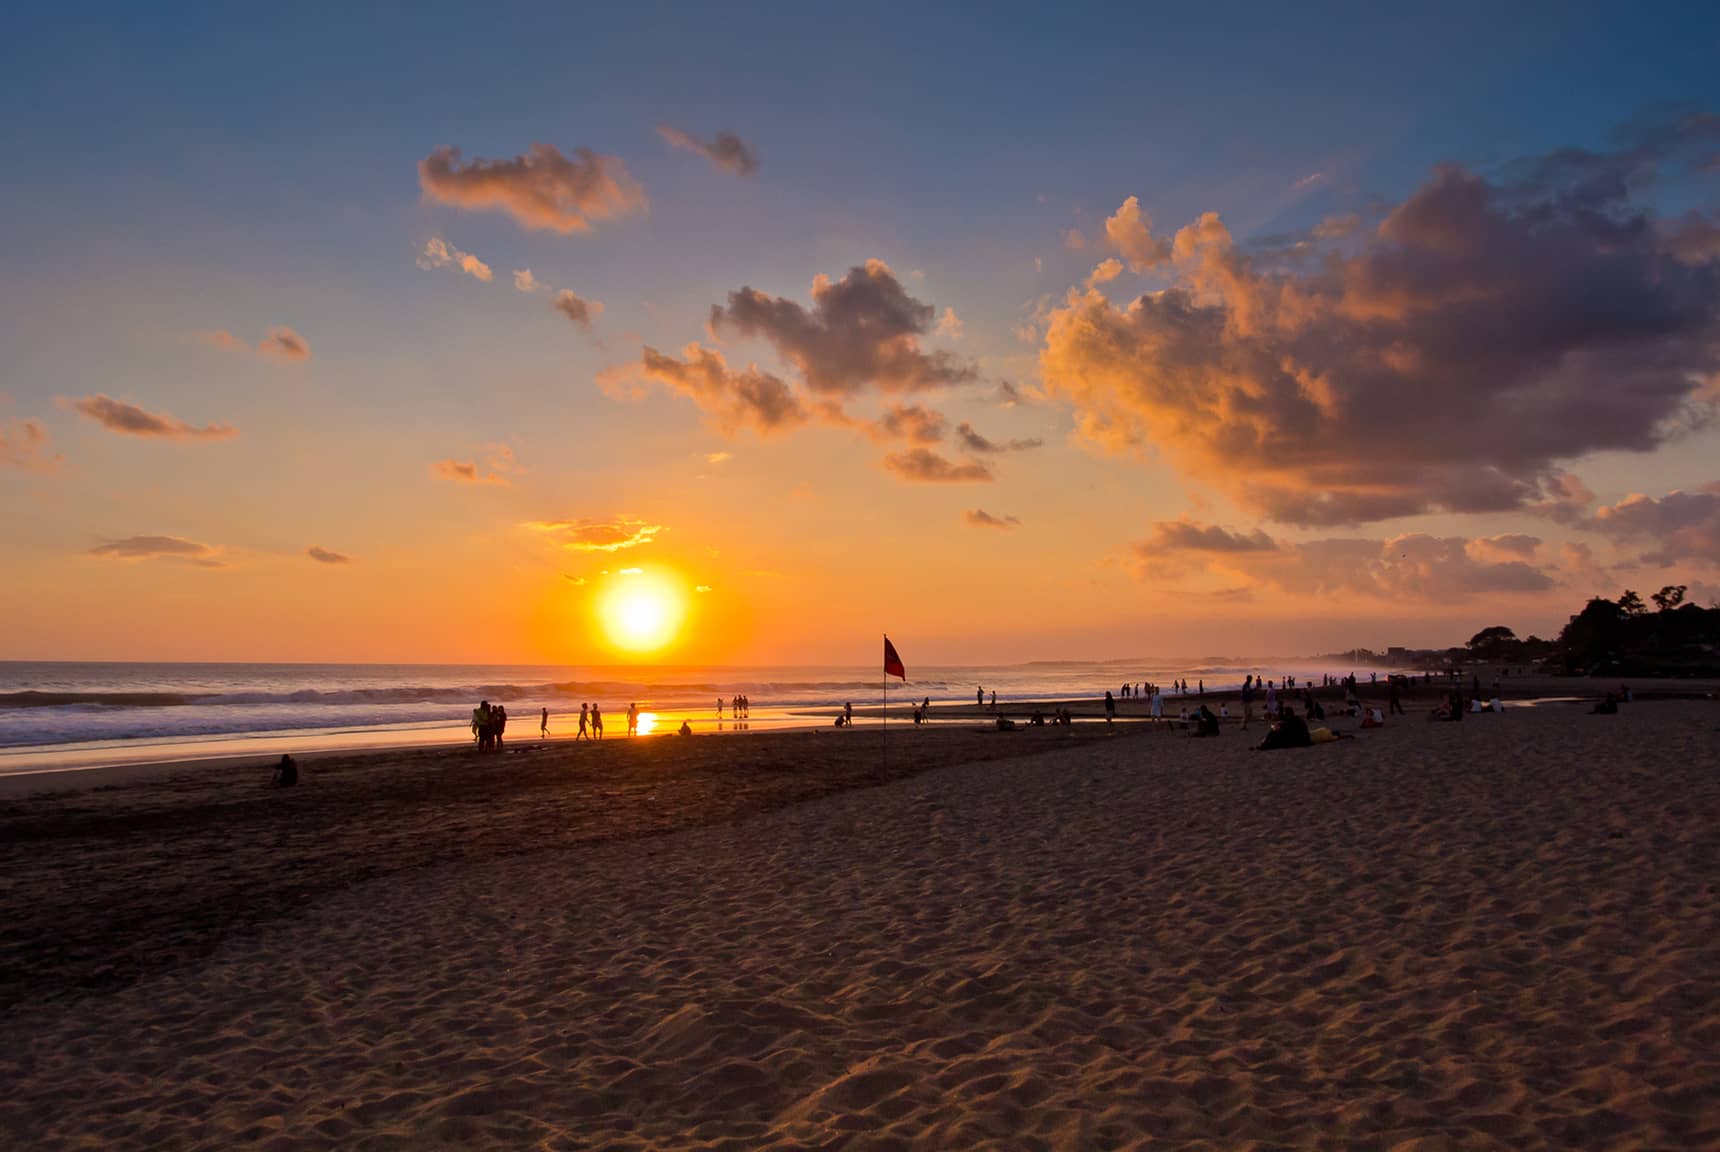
1450, 360
862, 330
923, 466
498, 462
576, 581
1130, 231
130, 420
911, 422
324, 556
542, 190
438, 253
1411, 566
1504, 549
1679, 526
1107, 270
702, 588
577, 309
1073, 240
525, 281
950, 325
980, 518
1187, 536
25, 445
160, 548
974, 442
726, 151
718, 457
586, 535
283, 343
278, 343
730, 400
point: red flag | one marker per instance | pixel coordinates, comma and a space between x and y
893, 662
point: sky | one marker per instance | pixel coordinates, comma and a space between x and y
744, 334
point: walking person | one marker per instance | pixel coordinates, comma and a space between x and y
543, 726
596, 721
584, 713
1110, 706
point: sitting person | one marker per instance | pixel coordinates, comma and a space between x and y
1373, 719
1607, 707
1038, 720
685, 729
1288, 731
286, 772
1224, 711
1205, 723
1005, 724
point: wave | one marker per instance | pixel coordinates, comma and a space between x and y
438, 694
106, 699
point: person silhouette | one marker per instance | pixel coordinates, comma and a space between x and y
633, 719
543, 726
848, 714
584, 714
979, 697
596, 721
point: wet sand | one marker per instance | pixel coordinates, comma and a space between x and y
1495, 934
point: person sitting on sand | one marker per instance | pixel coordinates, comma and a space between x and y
685, 729
1288, 731
1005, 724
1205, 723
1037, 720
1607, 707
286, 772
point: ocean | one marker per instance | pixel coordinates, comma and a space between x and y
58, 715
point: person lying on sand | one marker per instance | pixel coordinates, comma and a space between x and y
1005, 724
1607, 707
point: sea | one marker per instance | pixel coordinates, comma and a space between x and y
57, 715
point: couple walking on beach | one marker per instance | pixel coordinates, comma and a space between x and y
590, 722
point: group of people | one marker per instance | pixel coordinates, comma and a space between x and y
740, 707
489, 722
1149, 690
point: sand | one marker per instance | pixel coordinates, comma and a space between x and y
1495, 934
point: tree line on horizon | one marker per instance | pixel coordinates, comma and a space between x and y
1616, 637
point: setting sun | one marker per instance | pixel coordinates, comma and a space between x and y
642, 612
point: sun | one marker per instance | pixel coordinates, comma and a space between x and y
642, 612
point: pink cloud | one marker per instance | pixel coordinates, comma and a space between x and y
542, 190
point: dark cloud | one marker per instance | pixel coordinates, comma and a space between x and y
577, 309
588, 535
1187, 536
974, 442
541, 190
980, 518
1449, 360
911, 422
130, 420
862, 331
923, 466
160, 548
1677, 527
730, 400
1411, 566
726, 151
324, 556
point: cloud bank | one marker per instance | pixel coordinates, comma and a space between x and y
1449, 360
588, 535
324, 556
160, 548
923, 466
980, 518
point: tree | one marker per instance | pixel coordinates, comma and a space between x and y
1669, 597
1492, 643
1630, 604
1593, 634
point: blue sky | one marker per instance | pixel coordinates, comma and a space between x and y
175, 169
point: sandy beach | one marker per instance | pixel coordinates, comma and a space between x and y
1495, 934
